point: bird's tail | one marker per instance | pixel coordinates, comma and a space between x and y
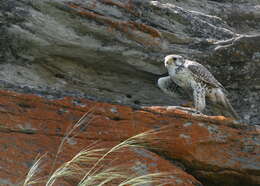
226, 103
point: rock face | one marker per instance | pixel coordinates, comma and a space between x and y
214, 150
112, 50
104, 54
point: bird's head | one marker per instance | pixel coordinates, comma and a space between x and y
173, 60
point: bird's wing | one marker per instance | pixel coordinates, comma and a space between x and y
167, 86
202, 73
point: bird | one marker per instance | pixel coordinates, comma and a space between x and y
195, 78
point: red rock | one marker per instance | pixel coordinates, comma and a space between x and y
152, 35
211, 148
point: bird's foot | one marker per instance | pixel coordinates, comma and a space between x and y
186, 109
188, 104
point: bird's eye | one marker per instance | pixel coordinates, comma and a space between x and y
174, 59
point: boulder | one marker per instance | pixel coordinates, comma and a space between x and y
193, 148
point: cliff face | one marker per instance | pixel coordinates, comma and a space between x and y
195, 149
111, 52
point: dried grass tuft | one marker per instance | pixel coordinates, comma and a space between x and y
90, 166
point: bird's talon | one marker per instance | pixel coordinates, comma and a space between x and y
198, 112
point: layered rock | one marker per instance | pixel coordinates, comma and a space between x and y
112, 50
104, 54
215, 150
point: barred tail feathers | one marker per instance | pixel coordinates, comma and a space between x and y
226, 103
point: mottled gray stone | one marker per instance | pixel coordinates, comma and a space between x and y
47, 48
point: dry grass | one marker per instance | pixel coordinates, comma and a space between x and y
31, 177
91, 165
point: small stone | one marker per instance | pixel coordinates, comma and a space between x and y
113, 110
187, 124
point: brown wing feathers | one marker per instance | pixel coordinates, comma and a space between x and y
200, 72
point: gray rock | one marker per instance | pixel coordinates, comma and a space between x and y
113, 52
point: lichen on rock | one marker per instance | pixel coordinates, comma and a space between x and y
77, 54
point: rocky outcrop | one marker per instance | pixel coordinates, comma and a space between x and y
62, 58
112, 50
214, 150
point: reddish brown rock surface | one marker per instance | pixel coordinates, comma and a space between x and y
212, 149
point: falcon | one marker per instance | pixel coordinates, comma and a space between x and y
194, 77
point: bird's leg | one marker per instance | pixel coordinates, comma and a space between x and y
199, 93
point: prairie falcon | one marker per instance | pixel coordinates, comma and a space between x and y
195, 78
